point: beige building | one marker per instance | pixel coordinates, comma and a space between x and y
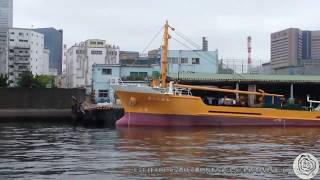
286, 48
82, 56
315, 45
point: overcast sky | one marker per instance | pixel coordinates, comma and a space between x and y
131, 24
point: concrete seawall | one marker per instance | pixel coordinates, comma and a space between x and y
38, 104
16, 98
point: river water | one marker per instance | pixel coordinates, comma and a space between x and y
61, 151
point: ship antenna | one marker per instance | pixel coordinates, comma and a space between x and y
164, 70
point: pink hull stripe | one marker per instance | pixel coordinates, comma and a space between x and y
144, 119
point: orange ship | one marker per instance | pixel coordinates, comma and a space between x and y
174, 105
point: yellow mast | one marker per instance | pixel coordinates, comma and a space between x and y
164, 61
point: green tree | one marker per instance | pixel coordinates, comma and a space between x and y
43, 81
26, 80
3, 81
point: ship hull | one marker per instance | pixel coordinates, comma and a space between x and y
153, 108
162, 120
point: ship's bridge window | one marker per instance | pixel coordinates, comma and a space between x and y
103, 93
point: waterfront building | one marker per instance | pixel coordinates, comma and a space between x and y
82, 56
6, 14
315, 45
106, 75
26, 52
291, 48
128, 55
306, 45
53, 40
192, 61
154, 54
286, 48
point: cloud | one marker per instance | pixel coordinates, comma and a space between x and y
131, 24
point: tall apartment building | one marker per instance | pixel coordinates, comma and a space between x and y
6, 21
6, 14
292, 47
53, 40
82, 56
26, 53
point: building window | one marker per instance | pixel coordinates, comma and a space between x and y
134, 74
96, 52
100, 43
22, 40
143, 74
173, 60
195, 60
107, 71
139, 74
12, 32
12, 40
93, 42
103, 93
184, 60
20, 34
79, 51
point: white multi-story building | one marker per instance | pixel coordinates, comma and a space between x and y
81, 57
26, 52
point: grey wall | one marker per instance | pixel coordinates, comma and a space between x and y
17, 98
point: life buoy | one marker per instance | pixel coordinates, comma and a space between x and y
132, 101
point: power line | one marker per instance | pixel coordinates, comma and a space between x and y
148, 45
152, 40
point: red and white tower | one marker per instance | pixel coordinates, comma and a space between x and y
249, 54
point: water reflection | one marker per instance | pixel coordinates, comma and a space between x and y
52, 151
220, 147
